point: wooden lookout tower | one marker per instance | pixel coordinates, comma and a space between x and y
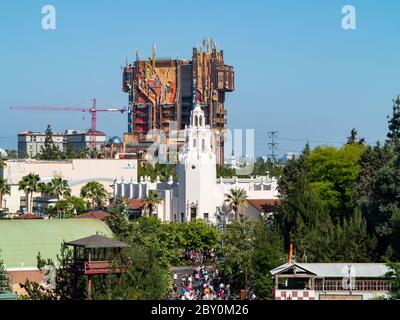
97, 255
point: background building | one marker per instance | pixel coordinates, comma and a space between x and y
199, 194
77, 172
162, 91
31, 143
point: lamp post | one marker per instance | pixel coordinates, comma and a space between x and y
349, 281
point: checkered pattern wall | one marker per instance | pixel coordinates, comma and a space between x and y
294, 295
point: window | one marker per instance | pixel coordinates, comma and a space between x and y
201, 121
206, 216
203, 144
196, 121
193, 213
182, 217
194, 143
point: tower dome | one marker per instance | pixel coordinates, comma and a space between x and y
197, 119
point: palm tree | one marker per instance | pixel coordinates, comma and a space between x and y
59, 188
3, 163
235, 199
4, 189
95, 194
29, 184
151, 201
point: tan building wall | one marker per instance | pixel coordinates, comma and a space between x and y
20, 276
78, 172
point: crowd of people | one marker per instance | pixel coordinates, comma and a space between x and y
202, 284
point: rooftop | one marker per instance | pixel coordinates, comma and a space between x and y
135, 204
263, 205
334, 270
97, 241
27, 216
97, 214
22, 240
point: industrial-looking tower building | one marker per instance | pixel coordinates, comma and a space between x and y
162, 91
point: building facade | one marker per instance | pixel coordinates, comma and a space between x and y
162, 93
31, 143
199, 194
77, 172
331, 281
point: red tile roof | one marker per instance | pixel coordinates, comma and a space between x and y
263, 205
101, 215
28, 216
135, 204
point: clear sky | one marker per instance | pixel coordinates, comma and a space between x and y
297, 70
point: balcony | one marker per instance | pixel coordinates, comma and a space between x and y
98, 267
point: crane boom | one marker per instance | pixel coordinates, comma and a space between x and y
93, 111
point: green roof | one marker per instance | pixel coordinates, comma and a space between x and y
22, 240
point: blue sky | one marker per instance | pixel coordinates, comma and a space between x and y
297, 71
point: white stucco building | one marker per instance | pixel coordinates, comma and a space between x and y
199, 194
77, 172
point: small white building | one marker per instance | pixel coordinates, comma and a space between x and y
331, 281
199, 194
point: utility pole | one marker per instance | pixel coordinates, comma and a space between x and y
273, 146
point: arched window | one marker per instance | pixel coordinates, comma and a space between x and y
194, 143
203, 144
196, 121
201, 121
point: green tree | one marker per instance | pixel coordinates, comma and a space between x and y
69, 206
4, 190
64, 280
394, 122
378, 189
394, 276
304, 219
50, 150
225, 172
95, 194
353, 139
29, 184
249, 249
12, 154
162, 171
199, 235
151, 202
332, 174
3, 163
236, 199
69, 152
352, 241
146, 279
60, 189
268, 253
237, 252
4, 279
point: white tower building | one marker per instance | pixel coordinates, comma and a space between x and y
197, 171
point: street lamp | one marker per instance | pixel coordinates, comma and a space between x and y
349, 280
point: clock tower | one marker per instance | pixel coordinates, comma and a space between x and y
197, 171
